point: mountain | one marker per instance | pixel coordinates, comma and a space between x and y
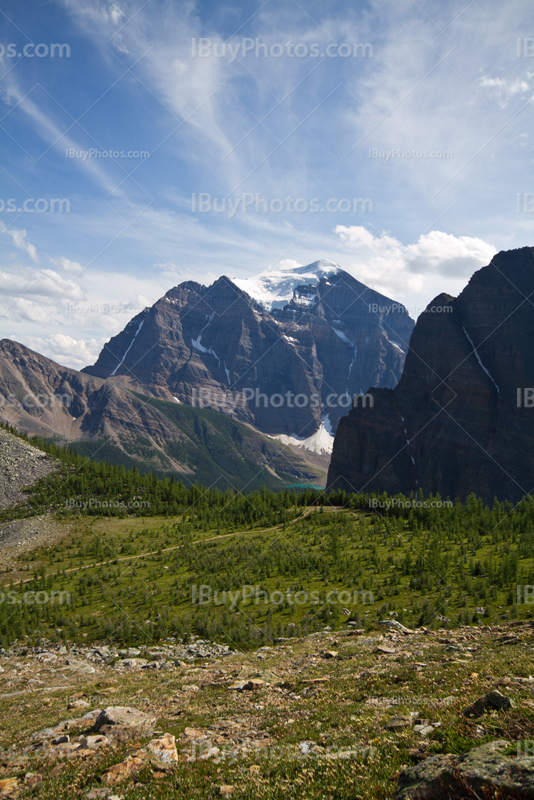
459, 420
283, 351
108, 422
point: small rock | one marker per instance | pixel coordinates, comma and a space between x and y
211, 752
237, 686
94, 742
498, 701
193, 733
392, 623
254, 683
164, 749
132, 662
123, 770
484, 771
426, 729
400, 722
8, 785
494, 700
329, 654
61, 739
78, 704
32, 779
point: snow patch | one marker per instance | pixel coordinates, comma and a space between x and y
320, 442
480, 362
341, 335
274, 288
121, 362
198, 346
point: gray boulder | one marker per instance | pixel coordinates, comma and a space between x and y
123, 723
483, 772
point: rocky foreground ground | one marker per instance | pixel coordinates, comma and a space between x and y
386, 713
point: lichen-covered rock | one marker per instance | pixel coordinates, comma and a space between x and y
163, 749
124, 723
483, 772
493, 701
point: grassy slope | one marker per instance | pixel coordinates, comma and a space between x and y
136, 570
362, 690
220, 451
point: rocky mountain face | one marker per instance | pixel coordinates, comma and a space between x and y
460, 419
110, 422
20, 465
284, 351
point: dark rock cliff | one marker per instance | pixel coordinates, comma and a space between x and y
453, 424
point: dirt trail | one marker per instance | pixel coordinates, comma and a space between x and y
177, 546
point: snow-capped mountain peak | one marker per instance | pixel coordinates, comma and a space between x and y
274, 288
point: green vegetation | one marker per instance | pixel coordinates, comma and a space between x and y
212, 448
142, 546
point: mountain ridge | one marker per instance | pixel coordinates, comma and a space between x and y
453, 424
325, 342
109, 422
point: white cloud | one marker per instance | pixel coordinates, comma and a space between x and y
65, 350
57, 138
413, 273
19, 240
27, 310
38, 284
67, 264
506, 90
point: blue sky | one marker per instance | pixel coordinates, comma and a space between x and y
260, 121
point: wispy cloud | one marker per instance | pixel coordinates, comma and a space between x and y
18, 237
